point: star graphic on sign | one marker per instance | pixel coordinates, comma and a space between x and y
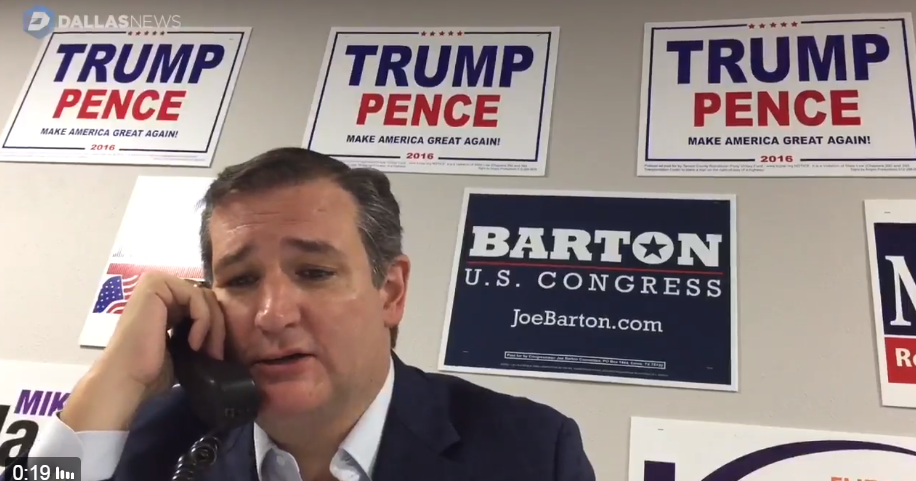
653, 248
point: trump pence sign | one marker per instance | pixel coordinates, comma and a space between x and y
793, 96
126, 97
436, 100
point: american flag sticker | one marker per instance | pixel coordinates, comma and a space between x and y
121, 279
114, 294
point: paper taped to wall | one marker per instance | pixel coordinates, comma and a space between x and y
891, 233
444, 100
31, 392
672, 450
159, 231
126, 97
632, 288
821, 95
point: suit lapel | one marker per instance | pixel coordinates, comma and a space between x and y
235, 461
417, 432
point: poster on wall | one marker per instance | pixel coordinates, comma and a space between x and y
804, 96
31, 392
891, 237
455, 100
126, 97
629, 288
675, 450
160, 231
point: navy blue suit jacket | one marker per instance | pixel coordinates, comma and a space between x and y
439, 428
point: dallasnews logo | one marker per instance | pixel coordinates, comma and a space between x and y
39, 21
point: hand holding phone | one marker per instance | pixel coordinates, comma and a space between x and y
137, 363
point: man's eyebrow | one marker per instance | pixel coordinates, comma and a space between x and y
233, 257
305, 245
313, 247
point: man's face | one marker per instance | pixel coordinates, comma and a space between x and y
295, 283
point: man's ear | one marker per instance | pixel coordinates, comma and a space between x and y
394, 290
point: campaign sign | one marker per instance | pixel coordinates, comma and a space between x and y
596, 286
436, 100
125, 97
30, 393
891, 233
770, 97
674, 450
160, 232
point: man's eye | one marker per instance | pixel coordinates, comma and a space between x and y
241, 281
315, 274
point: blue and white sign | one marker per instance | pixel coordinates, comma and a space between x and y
123, 96
437, 100
598, 286
820, 95
891, 235
676, 450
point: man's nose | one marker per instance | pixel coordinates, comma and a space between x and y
278, 309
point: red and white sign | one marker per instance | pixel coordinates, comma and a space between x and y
828, 95
436, 100
160, 231
900, 355
102, 97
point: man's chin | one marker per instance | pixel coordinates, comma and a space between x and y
291, 398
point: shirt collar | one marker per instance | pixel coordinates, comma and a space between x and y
363, 440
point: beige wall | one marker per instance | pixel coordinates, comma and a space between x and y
806, 338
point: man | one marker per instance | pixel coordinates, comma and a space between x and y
308, 289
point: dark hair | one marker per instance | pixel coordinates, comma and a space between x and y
379, 218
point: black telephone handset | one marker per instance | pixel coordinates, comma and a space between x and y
222, 394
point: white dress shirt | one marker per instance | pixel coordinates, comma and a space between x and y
99, 451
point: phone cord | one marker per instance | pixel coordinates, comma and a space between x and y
201, 455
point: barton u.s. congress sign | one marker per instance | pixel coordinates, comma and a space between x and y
600, 286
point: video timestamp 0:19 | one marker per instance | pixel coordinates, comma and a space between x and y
43, 469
